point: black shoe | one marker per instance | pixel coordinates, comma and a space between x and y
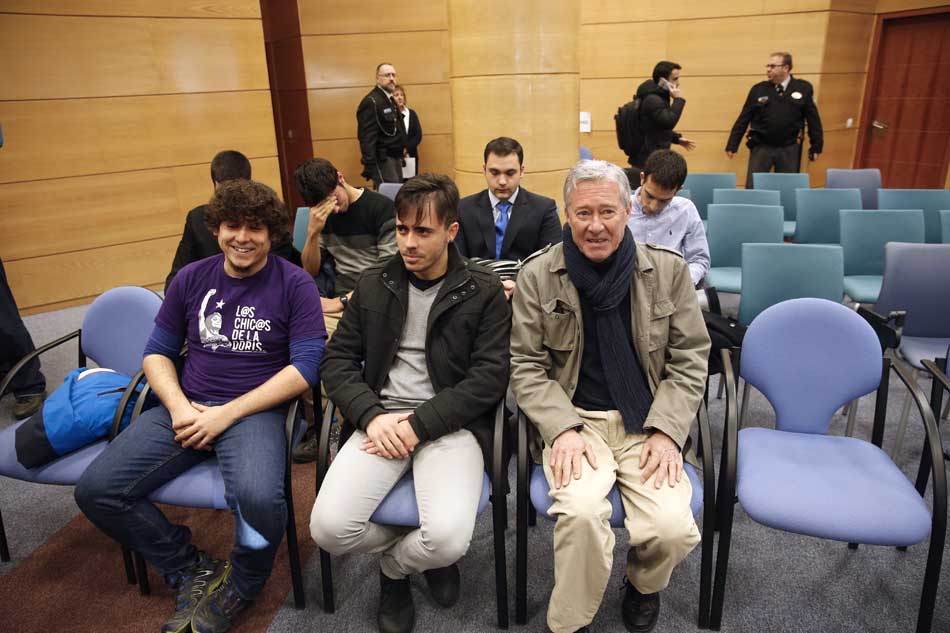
306, 450
640, 611
25, 406
443, 584
192, 585
396, 614
218, 610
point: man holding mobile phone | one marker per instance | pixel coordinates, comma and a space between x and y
661, 105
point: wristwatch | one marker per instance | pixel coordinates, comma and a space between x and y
344, 300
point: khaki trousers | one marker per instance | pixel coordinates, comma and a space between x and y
659, 523
447, 476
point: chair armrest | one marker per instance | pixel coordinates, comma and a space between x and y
35, 353
323, 448
938, 374
290, 425
124, 402
933, 446
709, 300
709, 468
498, 476
889, 335
730, 439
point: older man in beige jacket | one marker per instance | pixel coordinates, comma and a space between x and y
608, 360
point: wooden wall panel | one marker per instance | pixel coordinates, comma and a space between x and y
336, 17
45, 217
605, 11
345, 156
436, 154
839, 98
146, 8
548, 45
60, 138
48, 57
344, 61
742, 45
889, 6
848, 43
621, 50
112, 113
547, 96
46, 280
333, 111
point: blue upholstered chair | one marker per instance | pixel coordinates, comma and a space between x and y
533, 499
731, 226
945, 226
202, 486
772, 273
930, 200
390, 189
301, 222
863, 236
399, 507
785, 184
114, 331
917, 281
701, 188
818, 220
867, 181
585, 154
747, 196
809, 357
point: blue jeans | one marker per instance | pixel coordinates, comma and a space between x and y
113, 492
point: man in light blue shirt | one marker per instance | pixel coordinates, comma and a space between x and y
661, 217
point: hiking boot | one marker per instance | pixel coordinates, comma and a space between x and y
397, 613
443, 584
25, 406
217, 611
193, 584
306, 450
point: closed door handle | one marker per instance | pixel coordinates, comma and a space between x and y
879, 125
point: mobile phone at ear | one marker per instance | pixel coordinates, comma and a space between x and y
664, 83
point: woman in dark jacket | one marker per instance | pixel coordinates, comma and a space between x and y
410, 121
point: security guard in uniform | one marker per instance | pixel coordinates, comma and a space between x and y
380, 130
778, 109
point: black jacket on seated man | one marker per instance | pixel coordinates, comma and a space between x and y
466, 349
533, 225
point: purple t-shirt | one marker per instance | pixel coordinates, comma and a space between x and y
238, 330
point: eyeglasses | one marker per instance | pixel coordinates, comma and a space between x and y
770, 66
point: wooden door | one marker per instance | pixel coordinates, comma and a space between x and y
905, 127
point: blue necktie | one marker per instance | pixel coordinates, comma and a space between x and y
500, 225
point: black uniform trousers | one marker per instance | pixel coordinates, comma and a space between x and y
15, 343
786, 159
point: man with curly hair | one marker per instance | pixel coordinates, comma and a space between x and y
255, 338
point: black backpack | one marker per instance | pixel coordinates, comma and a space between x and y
724, 333
629, 134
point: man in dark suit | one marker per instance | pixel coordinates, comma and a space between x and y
506, 221
380, 131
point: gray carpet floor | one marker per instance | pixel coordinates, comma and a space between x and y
777, 581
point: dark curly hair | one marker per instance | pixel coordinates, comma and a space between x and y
316, 179
247, 201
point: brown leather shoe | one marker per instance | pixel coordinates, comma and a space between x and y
25, 406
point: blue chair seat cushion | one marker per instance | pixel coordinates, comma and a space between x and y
831, 487
788, 228
725, 279
542, 501
202, 486
916, 349
399, 506
863, 288
64, 471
